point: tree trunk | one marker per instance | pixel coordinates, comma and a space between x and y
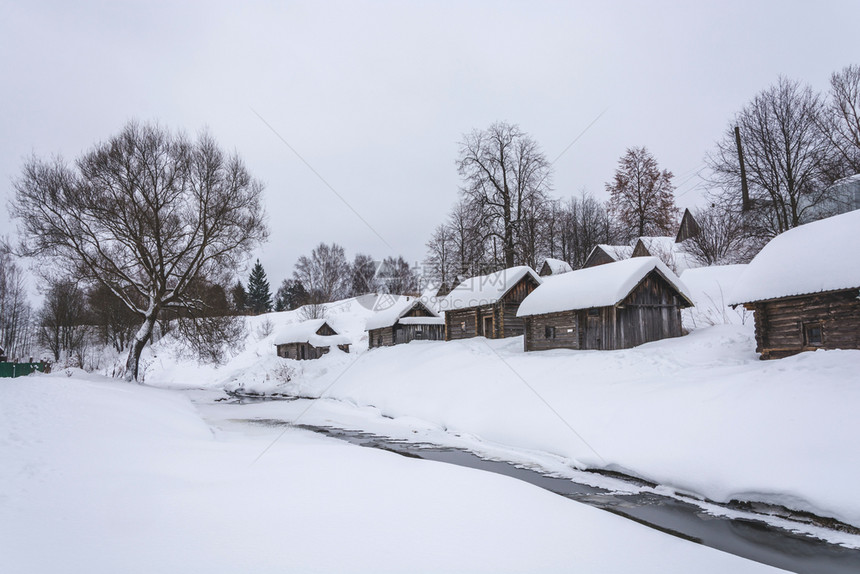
138, 343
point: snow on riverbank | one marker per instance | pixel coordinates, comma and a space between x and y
103, 476
699, 414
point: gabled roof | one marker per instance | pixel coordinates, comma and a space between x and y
616, 252
391, 309
820, 256
688, 228
486, 289
556, 266
306, 332
600, 286
671, 253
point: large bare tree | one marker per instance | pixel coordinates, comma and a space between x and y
505, 178
325, 274
642, 195
148, 213
842, 117
788, 159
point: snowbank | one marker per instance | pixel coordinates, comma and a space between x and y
710, 288
105, 477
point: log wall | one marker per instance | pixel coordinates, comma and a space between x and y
780, 325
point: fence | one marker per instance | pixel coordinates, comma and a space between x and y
11, 370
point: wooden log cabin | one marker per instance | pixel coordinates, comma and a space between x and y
309, 340
804, 288
487, 305
602, 254
401, 319
613, 306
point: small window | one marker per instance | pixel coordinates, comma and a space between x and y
549, 332
812, 335
592, 312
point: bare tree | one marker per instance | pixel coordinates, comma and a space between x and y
505, 177
585, 222
786, 155
363, 275
146, 214
16, 329
62, 321
397, 277
642, 196
722, 238
842, 118
325, 274
440, 264
114, 321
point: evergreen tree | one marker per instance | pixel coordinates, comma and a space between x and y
259, 294
239, 297
291, 295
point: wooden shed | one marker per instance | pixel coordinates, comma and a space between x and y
804, 288
602, 254
614, 306
554, 267
401, 319
487, 305
309, 340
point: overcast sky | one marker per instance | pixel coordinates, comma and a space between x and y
376, 95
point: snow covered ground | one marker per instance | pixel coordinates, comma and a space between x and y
699, 414
104, 476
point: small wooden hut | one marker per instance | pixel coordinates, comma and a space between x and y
487, 305
804, 288
602, 254
309, 340
554, 267
614, 306
401, 320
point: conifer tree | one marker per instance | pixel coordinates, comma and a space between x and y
240, 297
259, 294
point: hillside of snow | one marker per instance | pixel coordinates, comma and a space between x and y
699, 414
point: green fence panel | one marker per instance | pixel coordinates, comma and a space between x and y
11, 370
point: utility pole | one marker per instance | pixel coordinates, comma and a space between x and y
745, 190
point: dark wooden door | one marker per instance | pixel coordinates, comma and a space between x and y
488, 327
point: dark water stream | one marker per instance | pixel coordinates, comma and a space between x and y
747, 537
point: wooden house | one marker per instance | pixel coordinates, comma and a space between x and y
614, 306
400, 319
554, 267
309, 340
689, 227
804, 288
602, 254
487, 305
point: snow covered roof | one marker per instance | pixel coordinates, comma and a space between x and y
820, 256
391, 309
306, 332
617, 252
671, 253
486, 289
598, 286
557, 266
